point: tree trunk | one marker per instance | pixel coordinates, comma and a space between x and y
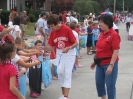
20, 6
114, 6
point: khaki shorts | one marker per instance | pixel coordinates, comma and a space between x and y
23, 27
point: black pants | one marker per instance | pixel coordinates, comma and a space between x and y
127, 26
35, 79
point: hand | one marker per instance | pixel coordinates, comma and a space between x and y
65, 50
41, 47
93, 66
109, 70
37, 62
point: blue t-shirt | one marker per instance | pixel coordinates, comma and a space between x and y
89, 30
95, 32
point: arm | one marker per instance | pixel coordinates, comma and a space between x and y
17, 34
48, 47
41, 30
23, 70
29, 50
13, 88
82, 34
28, 54
71, 47
114, 56
28, 65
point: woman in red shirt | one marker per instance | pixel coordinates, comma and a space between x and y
63, 40
8, 72
106, 58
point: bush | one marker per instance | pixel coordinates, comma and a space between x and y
4, 16
32, 18
36, 13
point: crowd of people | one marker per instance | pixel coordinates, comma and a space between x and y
58, 38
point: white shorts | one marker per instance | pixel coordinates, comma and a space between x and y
65, 79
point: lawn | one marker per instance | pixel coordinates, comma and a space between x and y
30, 29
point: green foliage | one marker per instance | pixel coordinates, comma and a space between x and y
32, 18
102, 3
36, 13
86, 6
4, 16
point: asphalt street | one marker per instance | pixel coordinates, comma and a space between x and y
83, 85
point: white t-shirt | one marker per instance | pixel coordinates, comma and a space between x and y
15, 60
10, 24
114, 26
71, 18
75, 19
68, 19
86, 23
76, 35
40, 23
128, 19
17, 29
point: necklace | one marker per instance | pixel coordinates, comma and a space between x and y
9, 62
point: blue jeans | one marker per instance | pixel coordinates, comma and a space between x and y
109, 80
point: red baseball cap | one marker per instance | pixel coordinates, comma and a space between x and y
1, 28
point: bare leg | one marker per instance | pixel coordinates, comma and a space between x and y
103, 97
63, 90
66, 91
52, 70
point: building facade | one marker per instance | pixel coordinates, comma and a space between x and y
32, 4
8, 4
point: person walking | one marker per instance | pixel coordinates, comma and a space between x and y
106, 58
24, 19
127, 20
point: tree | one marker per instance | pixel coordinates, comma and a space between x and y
20, 6
61, 5
102, 3
86, 6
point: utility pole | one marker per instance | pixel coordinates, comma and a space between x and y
114, 6
123, 6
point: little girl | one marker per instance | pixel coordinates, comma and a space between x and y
8, 71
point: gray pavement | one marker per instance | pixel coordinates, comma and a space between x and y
83, 86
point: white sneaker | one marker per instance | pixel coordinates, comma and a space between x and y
61, 97
65, 98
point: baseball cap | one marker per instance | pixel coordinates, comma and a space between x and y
43, 13
1, 28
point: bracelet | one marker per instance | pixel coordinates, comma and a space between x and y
111, 65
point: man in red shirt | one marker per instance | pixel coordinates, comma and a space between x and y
64, 20
63, 40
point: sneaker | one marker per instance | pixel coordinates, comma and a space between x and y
61, 97
42, 89
37, 94
33, 95
65, 98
